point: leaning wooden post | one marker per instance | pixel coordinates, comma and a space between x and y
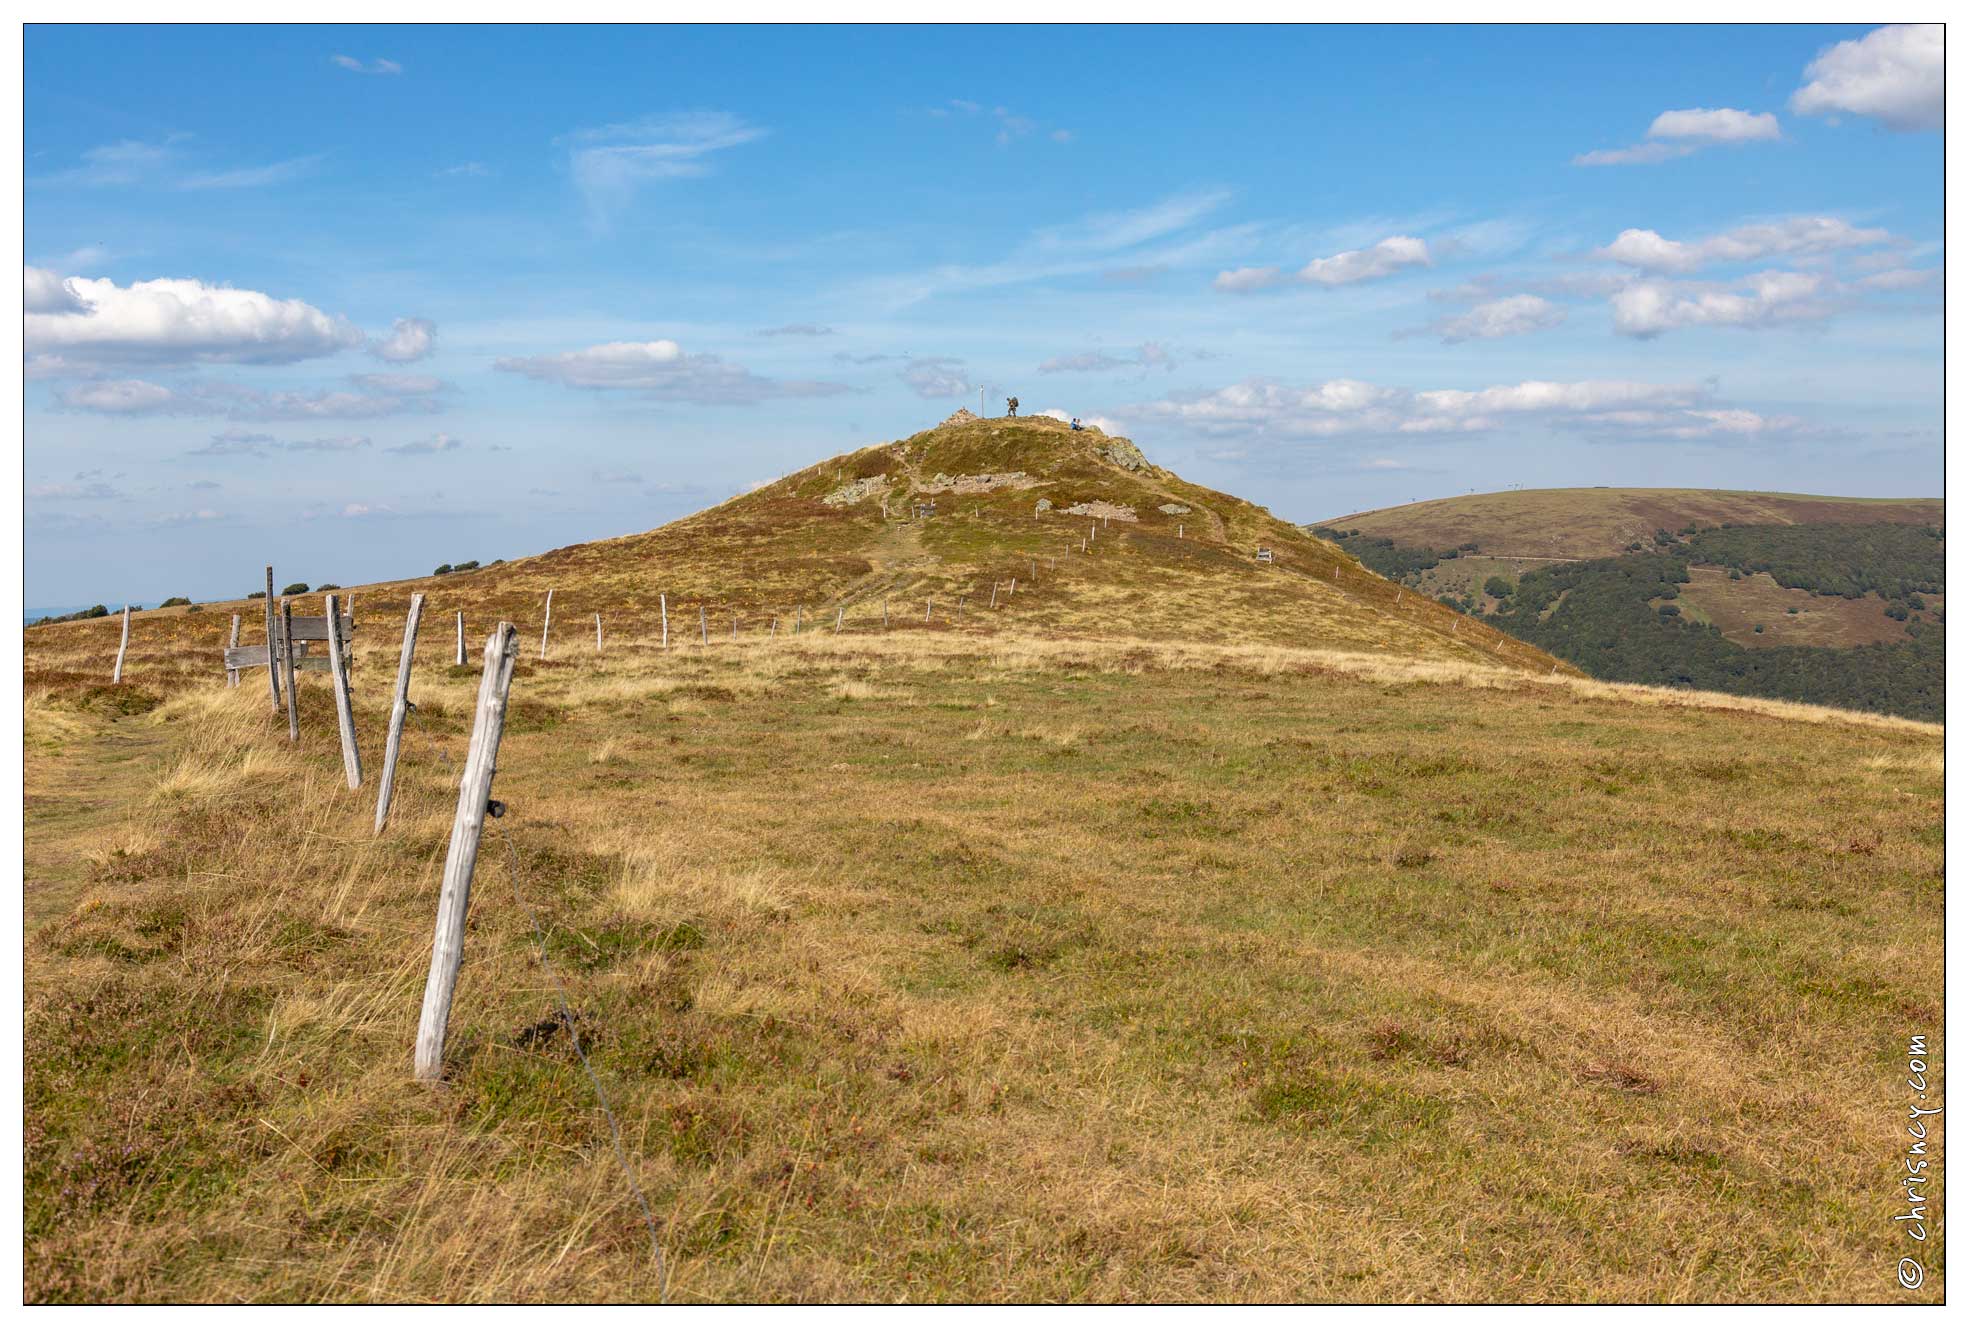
960, 608
339, 676
773, 631
400, 707
663, 607
287, 670
273, 659
1013, 589
474, 795
546, 622
839, 610
116, 674
461, 638
927, 602
703, 627
232, 675
994, 595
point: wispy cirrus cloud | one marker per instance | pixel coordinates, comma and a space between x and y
371, 396
1148, 355
611, 163
355, 66
663, 371
168, 164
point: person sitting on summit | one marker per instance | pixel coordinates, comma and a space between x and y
1074, 423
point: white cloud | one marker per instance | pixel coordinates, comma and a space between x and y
410, 339
177, 321
45, 292
1680, 133
251, 177
1790, 237
132, 162
1722, 125
373, 398
610, 163
1343, 408
1381, 259
426, 446
797, 330
1149, 355
1511, 316
1650, 308
660, 369
937, 376
355, 66
76, 491
1100, 422
1893, 74
1900, 279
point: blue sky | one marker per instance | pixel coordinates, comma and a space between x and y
358, 301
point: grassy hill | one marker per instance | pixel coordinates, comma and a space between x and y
1832, 600
1602, 522
1181, 929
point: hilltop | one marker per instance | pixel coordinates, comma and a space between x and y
1165, 560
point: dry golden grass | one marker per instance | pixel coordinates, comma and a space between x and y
981, 967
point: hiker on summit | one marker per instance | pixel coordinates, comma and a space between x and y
1011, 406
1074, 424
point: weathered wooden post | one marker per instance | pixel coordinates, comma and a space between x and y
839, 610
885, 613
287, 670
116, 674
338, 673
1013, 590
474, 797
273, 662
598, 634
1035, 570
773, 631
994, 595
734, 627
703, 627
461, 638
400, 707
799, 611
960, 608
927, 602
663, 608
1179, 530
546, 622
232, 675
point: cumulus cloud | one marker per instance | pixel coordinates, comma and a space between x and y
1381, 259
1650, 308
1100, 422
1679, 133
1511, 316
1350, 408
936, 376
661, 370
611, 162
171, 321
1790, 237
410, 339
1893, 74
45, 292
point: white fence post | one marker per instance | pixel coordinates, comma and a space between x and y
927, 602
400, 707
273, 662
116, 674
663, 608
994, 596
232, 675
287, 669
885, 613
474, 793
598, 634
461, 638
703, 627
338, 674
546, 622
839, 610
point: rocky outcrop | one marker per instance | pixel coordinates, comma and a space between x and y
856, 492
1122, 453
1175, 509
975, 484
1101, 508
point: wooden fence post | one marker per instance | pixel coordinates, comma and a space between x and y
273, 661
799, 611
116, 674
461, 638
773, 631
338, 675
598, 634
703, 627
400, 707
1013, 589
287, 670
1035, 570
232, 675
663, 607
885, 613
839, 610
734, 627
960, 608
1179, 530
927, 602
474, 794
994, 595
546, 622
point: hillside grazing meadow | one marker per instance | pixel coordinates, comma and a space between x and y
931, 965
